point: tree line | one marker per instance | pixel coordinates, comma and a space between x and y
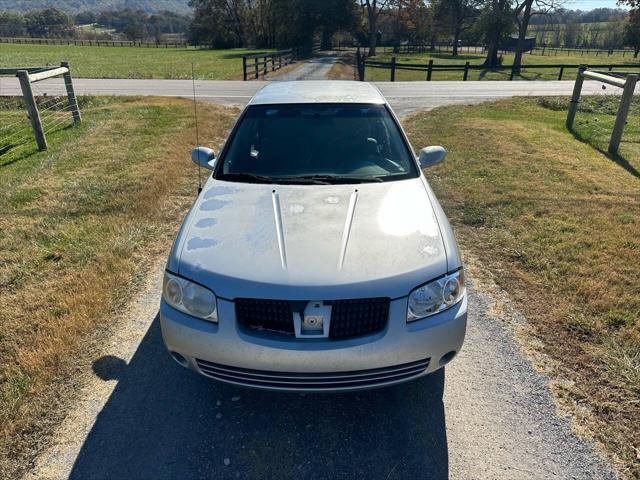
285, 23
294, 23
269, 23
54, 23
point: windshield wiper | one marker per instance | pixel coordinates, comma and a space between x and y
340, 179
245, 177
300, 180
254, 178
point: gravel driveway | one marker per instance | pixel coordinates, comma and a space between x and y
316, 68
490, 415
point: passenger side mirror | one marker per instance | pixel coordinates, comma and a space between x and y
430, 156
203, 157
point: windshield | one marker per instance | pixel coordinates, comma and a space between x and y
317, 143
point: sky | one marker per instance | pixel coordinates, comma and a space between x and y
589, 4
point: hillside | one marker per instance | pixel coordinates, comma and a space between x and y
75, 6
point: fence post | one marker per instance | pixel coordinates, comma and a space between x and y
623, 112
560, 73
360, 64
466, 71
393, 69
255, 64
71, 94
264, 66
429, 70
273, 63
513, 71
575, 97
32, 109
244, 68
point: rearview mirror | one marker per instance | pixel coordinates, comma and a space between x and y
203, 157
430, 156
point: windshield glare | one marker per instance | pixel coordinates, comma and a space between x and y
282, 142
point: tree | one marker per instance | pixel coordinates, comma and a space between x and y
373, 9
572, 31
332, 16
524, 10
134, 31
12, 25
85, 18
495, 24
460, 14
219, 23
632, 33
632, 29
614, 34
633, 4
49, 23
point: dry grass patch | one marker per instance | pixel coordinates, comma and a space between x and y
344, 68
556, 222
79, 225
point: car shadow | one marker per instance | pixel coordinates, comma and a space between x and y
163, 421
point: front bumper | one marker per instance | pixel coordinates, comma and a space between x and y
402, 352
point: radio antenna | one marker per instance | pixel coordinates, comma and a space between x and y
195, 113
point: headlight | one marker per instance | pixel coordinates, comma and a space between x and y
189, 297
436, 296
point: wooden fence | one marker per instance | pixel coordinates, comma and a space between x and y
91, 43
627, 83
253, 66
31, 75
429, 68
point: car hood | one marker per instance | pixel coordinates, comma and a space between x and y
311, 242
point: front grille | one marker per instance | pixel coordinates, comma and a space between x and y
349, 318
353, 318
275, 315
313, 381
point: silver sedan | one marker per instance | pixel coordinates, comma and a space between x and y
316, 257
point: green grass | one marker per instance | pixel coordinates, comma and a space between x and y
80, 224
546, 34
556, 222
377, 74
130, 62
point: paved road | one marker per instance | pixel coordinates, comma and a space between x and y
142, 416
404, 97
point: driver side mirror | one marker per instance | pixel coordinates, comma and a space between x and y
430, 156
203, 157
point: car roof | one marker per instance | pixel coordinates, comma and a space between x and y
317, 91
